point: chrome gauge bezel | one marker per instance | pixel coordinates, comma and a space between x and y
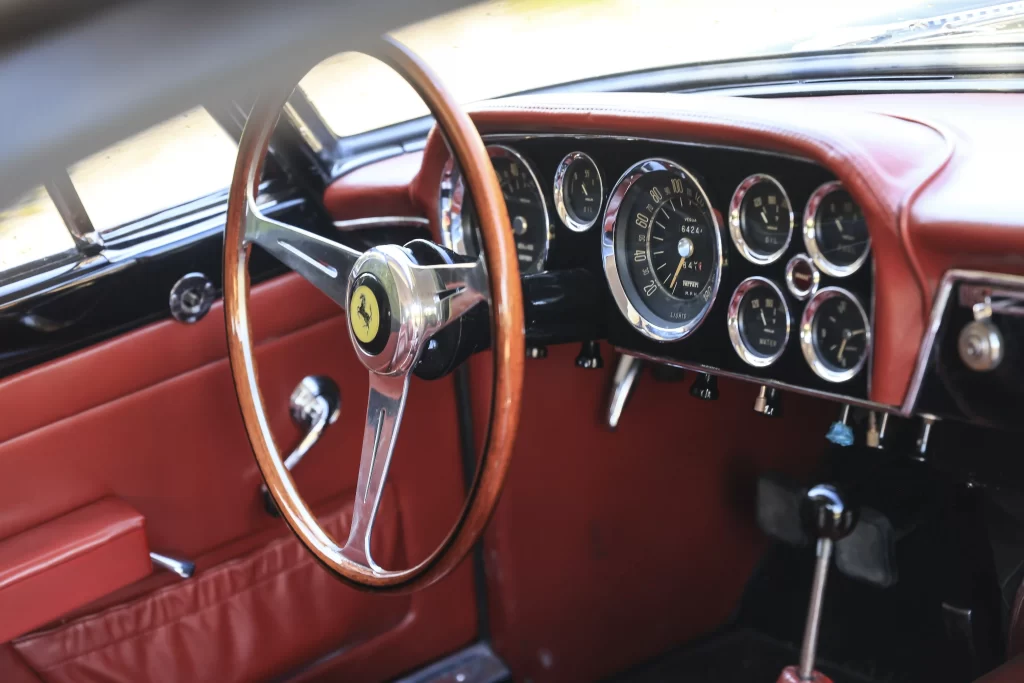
562, 205
810, 231
657, 330
749, 356
736, 220
453, 196
810, 350
815, 277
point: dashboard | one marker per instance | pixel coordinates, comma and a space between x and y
714, 258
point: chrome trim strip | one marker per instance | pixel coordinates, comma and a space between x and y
562, 206
810, 231
939, 306
85, 271
476, 664
382, 221
183, 568
299, 124
656, 331
732, 320
810, 350
816, 393
736, 220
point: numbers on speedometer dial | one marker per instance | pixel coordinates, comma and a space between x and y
662, 249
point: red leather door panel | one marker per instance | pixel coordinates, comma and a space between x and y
151, 418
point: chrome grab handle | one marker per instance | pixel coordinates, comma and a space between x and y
315, 405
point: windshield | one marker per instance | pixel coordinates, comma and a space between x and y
506, 46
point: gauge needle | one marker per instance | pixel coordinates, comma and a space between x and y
842, 348
675, 275
584, 188
839, 224
764, 217
763, 320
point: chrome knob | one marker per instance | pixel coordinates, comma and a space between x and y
768, 402
981, 345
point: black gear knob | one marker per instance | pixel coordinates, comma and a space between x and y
826, 514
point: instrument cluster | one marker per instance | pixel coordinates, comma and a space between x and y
720, 259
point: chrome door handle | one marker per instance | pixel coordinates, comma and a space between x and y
315, 405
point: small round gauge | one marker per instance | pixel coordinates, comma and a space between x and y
761, 219
758, 321
578, 191
527, 209
835, 334
802, 276
835, 233
662, 249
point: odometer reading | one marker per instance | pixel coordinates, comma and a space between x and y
667, 249
758, 321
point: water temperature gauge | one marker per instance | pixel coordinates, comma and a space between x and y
758, 321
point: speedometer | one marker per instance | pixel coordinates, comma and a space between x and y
662, 249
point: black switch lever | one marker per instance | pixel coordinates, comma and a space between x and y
705, 387
589, 357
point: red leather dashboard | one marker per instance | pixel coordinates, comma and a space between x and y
922, 167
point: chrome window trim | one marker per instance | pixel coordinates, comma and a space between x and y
732, 321
810, 351
562, 206
736, 220
652, 330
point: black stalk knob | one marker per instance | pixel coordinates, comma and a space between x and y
589, 357
826, 514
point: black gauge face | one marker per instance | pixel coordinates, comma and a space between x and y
583, 190
840, 333
766, 218
763, 321
527, 211
840, 230
668, 246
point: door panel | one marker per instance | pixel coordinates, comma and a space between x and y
151, 418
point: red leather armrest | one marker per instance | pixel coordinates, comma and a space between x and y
69, 561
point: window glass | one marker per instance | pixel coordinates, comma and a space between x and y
177, 161
499, 47
31, 229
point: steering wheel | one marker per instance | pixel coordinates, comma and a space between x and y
395, 304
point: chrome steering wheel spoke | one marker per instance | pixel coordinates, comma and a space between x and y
324, 263
383, 418
457, 288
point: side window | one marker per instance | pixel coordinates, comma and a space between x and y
31, 230
180, 160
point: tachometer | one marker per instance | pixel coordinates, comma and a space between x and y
662, 249
835, 233
527, 209
835, 334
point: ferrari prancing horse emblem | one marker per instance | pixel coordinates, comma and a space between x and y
365, 314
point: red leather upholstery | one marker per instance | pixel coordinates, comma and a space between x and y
151, 418
1010, 672
68, 562
247, 619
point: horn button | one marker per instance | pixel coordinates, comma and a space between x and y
391, 306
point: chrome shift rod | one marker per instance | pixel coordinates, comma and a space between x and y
829, 519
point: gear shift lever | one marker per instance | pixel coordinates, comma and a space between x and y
828, 519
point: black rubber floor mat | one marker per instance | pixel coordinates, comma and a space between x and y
736, 657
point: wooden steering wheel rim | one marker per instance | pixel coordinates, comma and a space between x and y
506, 309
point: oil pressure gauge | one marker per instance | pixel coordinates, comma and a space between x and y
579, 191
